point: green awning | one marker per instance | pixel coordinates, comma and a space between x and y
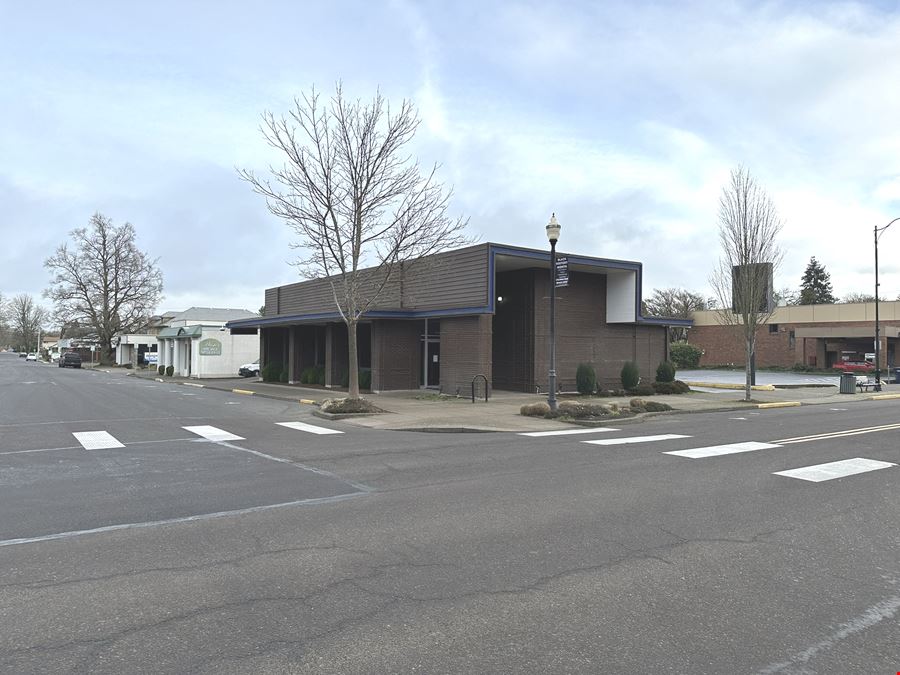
182, 332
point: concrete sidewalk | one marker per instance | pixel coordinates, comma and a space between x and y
426, 411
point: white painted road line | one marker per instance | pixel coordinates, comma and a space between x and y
96, 440
310, 428
635, 439
213, 433
715, 450
567, 432
846, 467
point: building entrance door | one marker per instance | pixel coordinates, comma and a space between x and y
430, 343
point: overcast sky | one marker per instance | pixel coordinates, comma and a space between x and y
623, 118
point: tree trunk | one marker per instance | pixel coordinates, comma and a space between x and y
352, 361
749, 346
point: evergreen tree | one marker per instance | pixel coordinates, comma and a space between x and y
815, 287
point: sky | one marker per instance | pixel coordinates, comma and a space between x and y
623, 118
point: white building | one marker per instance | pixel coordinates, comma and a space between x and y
197, 344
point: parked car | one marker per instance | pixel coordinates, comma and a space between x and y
854, 366
22, 355
70, 359
249, 369
31, 357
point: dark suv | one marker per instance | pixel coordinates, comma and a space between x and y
70, 359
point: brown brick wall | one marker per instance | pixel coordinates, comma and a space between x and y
395, 354
465, 352
583, 336
724, 345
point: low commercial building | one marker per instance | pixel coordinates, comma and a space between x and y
818, 336
481, 310
196, 343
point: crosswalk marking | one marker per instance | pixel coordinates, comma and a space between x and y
567, 432
310, 428
714, 450
831, 470
635, 439
213, 433
96, 440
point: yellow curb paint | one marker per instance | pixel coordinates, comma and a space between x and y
724, 385
779, 404
307, 401
243, 391
883, 397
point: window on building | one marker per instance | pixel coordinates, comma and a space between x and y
773, 327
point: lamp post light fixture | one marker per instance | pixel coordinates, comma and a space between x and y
878, 231
553, 228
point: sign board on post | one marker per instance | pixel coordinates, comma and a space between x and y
561, 273
210, 347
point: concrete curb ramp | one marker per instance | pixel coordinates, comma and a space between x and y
725, 385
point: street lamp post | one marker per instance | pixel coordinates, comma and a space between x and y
553, 229
878, 231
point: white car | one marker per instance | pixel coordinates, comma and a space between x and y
249, 369
31, 357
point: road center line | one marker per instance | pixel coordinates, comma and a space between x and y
175, 521
838, 434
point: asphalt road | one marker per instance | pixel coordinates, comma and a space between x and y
285, 551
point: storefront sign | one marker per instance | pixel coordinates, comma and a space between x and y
561, 273
210, 347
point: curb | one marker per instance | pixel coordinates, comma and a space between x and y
725, 385
884, 397
779, 404
246, 392
308, 401
193, 384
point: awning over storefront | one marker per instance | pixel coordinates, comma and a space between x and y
182, 332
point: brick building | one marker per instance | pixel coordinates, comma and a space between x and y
482, 309
813, 335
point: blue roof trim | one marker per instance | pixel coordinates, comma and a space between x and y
662, 321
497, 249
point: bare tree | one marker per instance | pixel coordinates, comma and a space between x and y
674, 303
355, 198
104, 281
860, 297
25, 319
748, 228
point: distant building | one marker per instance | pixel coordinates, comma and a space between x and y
197, 344
818, 336
480, 310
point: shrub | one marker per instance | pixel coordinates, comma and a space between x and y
170, 370
637, 405
538, 409
664, 388
579, 410
642, 390
685, 355
320, 376
656, 406
161, 370
283, 377
349, 405
585, 379
365, 379
630, 375
665, 372
681, 387
271, 372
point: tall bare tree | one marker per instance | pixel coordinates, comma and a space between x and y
748, 229
26, 319
358, 202
674, 303
104, 281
